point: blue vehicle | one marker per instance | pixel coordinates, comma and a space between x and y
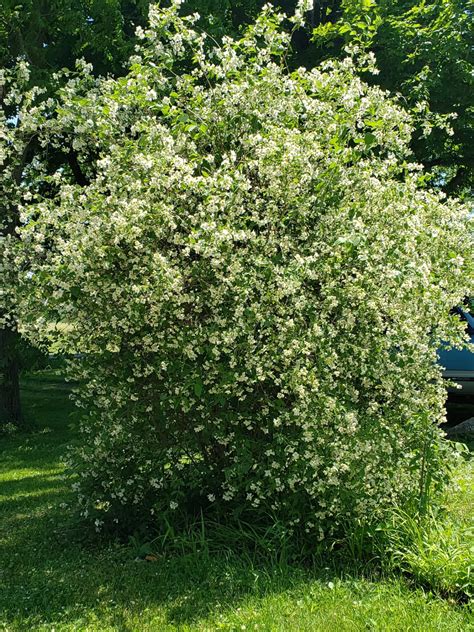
458, 364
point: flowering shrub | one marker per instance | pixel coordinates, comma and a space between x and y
256, 277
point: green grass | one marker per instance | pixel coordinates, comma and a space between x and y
54, 578
461, 500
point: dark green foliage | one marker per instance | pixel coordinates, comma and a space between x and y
51, 34
425, 52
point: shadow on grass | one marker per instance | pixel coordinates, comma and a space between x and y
53, 579
51, 576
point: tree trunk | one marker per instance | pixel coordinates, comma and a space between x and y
10, 405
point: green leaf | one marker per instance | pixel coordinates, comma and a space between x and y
370, 139
198, 387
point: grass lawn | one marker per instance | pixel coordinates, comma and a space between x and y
52, 578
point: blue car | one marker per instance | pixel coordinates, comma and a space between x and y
458, 364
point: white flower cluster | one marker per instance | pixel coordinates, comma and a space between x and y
254, 278
302, 7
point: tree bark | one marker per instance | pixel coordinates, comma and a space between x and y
10, 404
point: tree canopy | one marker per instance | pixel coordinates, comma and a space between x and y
424, 51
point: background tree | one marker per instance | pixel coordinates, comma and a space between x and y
425, 51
